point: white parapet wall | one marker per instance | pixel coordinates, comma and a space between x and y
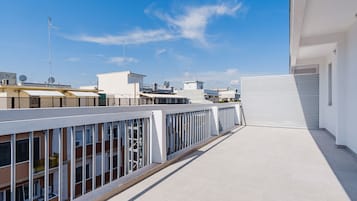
281, 101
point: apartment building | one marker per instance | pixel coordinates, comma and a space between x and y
127, 88
196, 93
39, 95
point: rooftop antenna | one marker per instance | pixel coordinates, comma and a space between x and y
49, 46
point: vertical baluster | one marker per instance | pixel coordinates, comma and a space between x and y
103, 154
94, 155
13, 167
73, 163
111, 152
84, 155
60, 163
46, 164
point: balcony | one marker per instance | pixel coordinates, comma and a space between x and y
166, 147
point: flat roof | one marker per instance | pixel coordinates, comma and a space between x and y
18, 87
121, 72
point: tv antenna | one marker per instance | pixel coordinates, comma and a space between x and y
49, 24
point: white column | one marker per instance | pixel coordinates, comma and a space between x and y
73, 163
31, 166
13, 168
46, 164
238, 115
215, 121
158, 136
84, 155
60, 164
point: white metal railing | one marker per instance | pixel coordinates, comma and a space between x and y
92, 149
226, 122
186, 129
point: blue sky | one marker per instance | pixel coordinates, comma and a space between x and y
213, 41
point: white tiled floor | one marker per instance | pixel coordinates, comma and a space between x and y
254, 163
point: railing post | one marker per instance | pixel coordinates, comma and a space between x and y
237, 117
215, 121
158, 136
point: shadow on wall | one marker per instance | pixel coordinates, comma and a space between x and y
308, 91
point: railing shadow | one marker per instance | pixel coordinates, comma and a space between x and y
342, 161
193, 156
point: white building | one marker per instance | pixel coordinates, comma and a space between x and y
321, 91
324, 34
228, 95
121, 84
195, 92
193, 85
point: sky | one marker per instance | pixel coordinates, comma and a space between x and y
215, 41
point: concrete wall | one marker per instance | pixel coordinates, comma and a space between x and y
281, 101
118, 84
327, 113
347, 93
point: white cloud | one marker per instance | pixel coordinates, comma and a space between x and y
73, 59
160, 52
193, 22
121, 61
213, 79
134, 37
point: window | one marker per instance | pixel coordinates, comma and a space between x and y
5, 195
89, 136
79, 173
35, 102
330, 84
22, 150
36, 189
88, 173
5, 155
79, 138
22, 192
115, 162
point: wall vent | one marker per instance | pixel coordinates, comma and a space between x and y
307, 69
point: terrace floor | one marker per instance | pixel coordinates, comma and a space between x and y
256, 163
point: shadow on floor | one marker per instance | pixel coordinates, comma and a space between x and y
341, 160
192, 157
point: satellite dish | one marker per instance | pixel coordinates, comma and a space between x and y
22, 78
51, 80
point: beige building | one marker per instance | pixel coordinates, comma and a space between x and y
16, 96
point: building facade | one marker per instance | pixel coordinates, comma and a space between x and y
323, 39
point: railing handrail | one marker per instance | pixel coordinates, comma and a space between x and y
19, 126
35, 113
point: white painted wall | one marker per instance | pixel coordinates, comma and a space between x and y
193, 85
119, 84
281, 101
347, 87
327, 114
